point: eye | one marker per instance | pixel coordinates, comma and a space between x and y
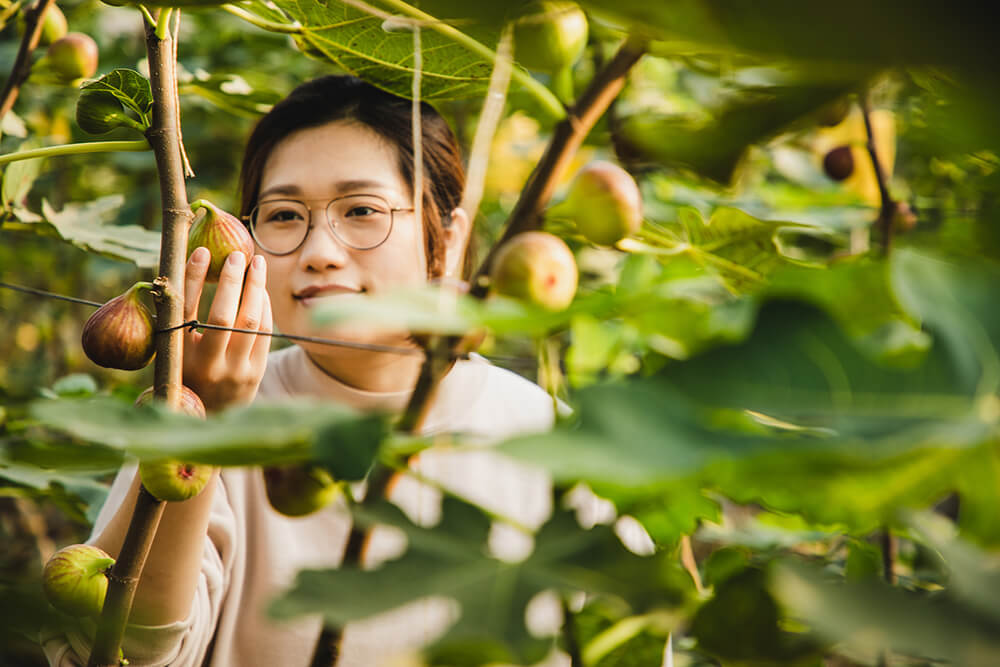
279, 213
362, 211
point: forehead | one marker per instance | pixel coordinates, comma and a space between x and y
323, 160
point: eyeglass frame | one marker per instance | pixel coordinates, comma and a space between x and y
248, 219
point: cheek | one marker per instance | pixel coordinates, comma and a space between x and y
401, 260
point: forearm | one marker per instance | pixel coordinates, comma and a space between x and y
167, 586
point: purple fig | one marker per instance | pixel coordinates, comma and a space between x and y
174, 481
75, 579
120, 333
72, 57
191, 403
537, 267
300, 489
222, 233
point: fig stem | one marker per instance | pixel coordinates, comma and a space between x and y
263, 24
163, 24
884, 221
76, 149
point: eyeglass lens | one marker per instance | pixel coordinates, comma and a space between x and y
362, 222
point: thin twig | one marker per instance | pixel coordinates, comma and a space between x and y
34, 19
569, 632
888, 206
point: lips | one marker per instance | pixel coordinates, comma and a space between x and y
309, 294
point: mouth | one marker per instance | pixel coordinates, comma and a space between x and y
315, 293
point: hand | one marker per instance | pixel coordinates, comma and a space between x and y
225, 367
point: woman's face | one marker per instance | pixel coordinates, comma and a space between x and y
316, 165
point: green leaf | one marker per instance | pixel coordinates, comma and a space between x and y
451, 560
131, 88
260, 434
19, 177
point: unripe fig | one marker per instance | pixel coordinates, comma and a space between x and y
54, 26
72, 57
120, 333
99, 112
172, 480
605, 203
839, 163
75, 579
537, 267
299, 489
550, 35
222, 233
191, 403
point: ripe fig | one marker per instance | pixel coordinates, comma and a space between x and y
550, 35
605, 203
537, 267
99, 112
839, 163
174, 481
299, 489
73, 57
120, 333
222, 233
191, 403
75, 579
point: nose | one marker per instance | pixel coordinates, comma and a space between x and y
322, 250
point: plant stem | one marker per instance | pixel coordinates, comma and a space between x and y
572, 643
263, 24
888, 206
76, 149
165, 142
34, 19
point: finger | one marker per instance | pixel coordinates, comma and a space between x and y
224, 306
251, 311
261, 346
194, 281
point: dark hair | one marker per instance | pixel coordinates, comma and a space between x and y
340, 97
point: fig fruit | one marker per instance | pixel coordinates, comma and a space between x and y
550, 35
605, 203
299, 489
537, 267
54, 26
99, 112
120, 333
172, 480
191, 403
839, 163
222, 233
75, 579
73, 56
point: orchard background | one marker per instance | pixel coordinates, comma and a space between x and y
791, 382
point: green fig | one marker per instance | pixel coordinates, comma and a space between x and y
549, 35
120, 333
537, 267
72, 57
75, 579
174, 481
299, 489
604, 202
99, 112
54, 26
191, 403
839, 163
222, 233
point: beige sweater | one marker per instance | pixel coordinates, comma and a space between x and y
252, 552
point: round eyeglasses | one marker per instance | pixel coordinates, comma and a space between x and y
361, 222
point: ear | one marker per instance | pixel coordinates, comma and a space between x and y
456, 235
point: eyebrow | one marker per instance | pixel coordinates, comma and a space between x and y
337, 188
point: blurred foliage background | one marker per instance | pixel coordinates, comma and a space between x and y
748, 248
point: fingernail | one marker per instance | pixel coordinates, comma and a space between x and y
200, 256
258, 262
236, 259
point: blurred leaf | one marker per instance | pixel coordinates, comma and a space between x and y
260, 434
75, 385
19, 177
864, 562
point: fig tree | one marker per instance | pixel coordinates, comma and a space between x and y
549, 35
839, 163
120, 333
605, 203
536, 267
72, 57
191, 403
222, 233
172, 480
299, 489
75, 579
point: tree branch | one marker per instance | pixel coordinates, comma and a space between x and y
34, 19
888, 206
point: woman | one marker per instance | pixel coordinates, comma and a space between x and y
326, 188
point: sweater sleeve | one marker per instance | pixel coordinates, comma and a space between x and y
181, 644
